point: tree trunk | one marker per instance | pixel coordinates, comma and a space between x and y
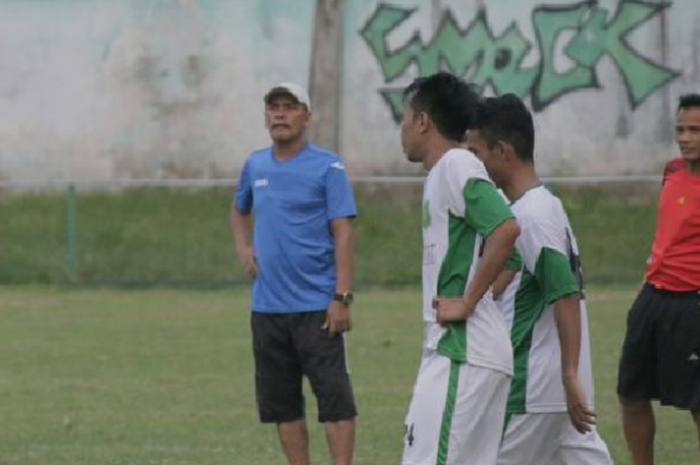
325, 77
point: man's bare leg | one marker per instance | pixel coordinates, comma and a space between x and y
294, 436
341, 440
640, 427
696, 417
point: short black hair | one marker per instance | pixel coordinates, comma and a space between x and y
506, 118
688, 101
449, 101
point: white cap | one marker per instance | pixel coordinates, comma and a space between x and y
295, 90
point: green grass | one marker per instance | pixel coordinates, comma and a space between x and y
173, 236
166, 377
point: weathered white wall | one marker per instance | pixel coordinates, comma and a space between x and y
105, 89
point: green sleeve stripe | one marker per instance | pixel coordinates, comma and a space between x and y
515, 261
484, 209
553, 272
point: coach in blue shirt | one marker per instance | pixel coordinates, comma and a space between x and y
301, 261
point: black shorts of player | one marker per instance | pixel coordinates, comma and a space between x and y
292, 345
661, 353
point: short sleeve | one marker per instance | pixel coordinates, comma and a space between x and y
544, 251
243, 200
553, 273
484, 207
459, 167
340, 202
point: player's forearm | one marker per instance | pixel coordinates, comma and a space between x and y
496, 252
504, 278
567, 314
241, 226
344, 240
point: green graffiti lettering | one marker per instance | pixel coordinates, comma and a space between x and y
497, 61
597, 38
501, 65
385, 20
549, 23
393, 98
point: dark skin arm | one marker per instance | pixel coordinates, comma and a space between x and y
496, 252
502, 282
338, 317
242, 226
567, 314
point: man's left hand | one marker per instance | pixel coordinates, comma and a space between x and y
451, 309
581, 416
338, 318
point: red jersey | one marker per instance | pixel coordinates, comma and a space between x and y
673, 166
675, 256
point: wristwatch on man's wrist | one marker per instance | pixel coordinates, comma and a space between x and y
345, 298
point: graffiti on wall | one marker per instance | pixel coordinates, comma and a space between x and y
487, 59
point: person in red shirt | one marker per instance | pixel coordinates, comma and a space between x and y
661, 352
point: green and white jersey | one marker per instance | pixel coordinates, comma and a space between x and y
549, 270
461, 207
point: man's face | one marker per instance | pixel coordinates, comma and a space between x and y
285, 118
411, 125
688, 133
492, 157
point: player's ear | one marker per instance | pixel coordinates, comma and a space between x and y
500, 150
423, 122
507, 152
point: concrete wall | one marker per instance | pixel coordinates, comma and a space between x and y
104, 89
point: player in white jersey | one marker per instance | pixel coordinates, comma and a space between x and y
458, 406
550, 417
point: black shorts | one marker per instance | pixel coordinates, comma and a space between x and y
289, 346
661, 352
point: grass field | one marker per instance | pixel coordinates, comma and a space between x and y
150, 377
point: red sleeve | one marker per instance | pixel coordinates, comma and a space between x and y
673, 166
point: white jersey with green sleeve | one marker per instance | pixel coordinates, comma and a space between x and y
550, 269
461, 206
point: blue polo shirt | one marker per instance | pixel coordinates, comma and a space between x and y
293, 202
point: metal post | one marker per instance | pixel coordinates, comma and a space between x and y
72, 233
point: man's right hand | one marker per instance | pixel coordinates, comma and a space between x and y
250, 263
